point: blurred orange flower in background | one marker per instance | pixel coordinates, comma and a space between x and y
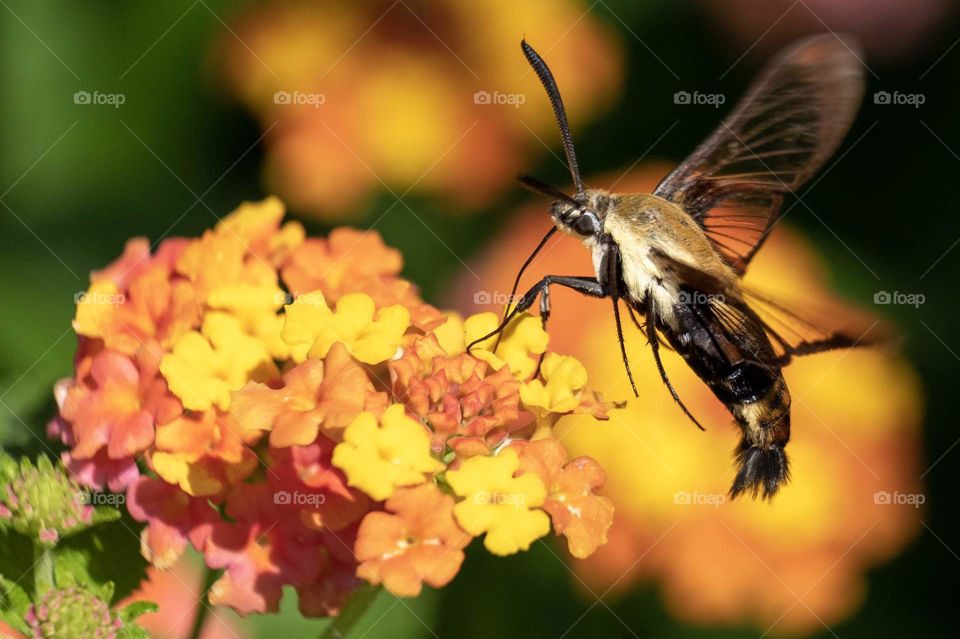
178, 593
358, 96
792, 566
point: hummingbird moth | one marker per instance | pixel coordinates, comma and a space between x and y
676, 256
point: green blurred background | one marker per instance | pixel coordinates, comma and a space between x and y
76, 182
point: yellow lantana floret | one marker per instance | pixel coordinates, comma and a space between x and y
379, 458
564, 377
371, 336
253, 220
193, 478
96, 307
204, 367
450, 335
495, 502
255, 306
523, 337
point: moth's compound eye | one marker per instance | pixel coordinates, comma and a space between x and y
585, 224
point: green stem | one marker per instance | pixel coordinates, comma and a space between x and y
43, 578
209, 576
352, 611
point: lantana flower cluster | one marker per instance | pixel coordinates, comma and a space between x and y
293, 410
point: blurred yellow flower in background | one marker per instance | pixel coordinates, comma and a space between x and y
355, 97
792, 566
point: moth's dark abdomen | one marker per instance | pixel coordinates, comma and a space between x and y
731, 364
744, 383
762, 461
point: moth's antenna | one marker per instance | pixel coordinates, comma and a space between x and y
546, 79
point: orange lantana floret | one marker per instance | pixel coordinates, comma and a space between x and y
328, 393
138, 301
576, 512
417, 541
202, 452
118, 405
236, 251
333, 265
455, 395
257, 225
352, 261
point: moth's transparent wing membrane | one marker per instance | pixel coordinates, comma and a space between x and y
793, 332
791, 120
742, 311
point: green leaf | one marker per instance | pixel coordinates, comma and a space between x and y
128, 614
14, 603
106, 559
104, 514
137, 608
130, 631
72, 569
15, 622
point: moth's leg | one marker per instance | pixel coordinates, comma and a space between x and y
636, 322
585, 285
654, 341
611, 268
702, 321
623, 347
642, 328
545, 306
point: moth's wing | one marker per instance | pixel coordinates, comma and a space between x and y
794, 332
740, 312
791, 120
